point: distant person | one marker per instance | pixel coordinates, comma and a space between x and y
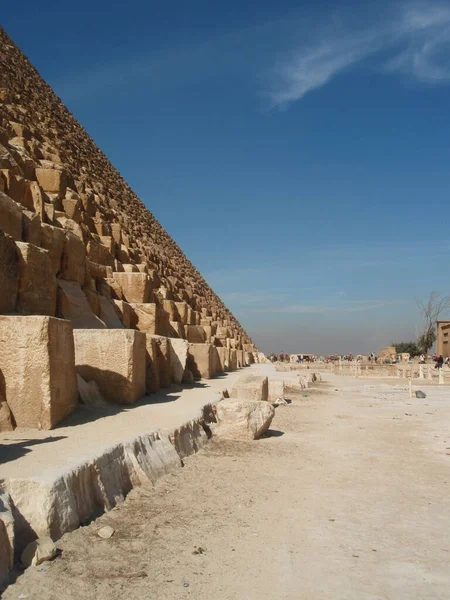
439, 362
446, 361
422, 359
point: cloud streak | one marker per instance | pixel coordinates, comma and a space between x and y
346, 307
416, 36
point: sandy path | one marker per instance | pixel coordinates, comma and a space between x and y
347, 499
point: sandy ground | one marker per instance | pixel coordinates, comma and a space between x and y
345, 498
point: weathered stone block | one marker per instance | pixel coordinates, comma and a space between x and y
10, 217
152, 372
163, 360
145, 317
242, 418
224, 358
73, 262
251, 387
108, 314
171, 309
195, 334
31, 227
9, 274
34, 198
37, 282
201, 361
38, 365
115, 359
53, 239
183, 311
136, 287
52, 180
72, 305
124, 312
233, 359
175, 330
179, 354
249, 358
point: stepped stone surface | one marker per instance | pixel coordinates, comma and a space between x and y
78, 210
76, 243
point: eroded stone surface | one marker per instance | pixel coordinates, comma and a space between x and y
242, 418
37, 363
115, 360
251, 387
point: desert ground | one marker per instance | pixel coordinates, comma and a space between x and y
346, 497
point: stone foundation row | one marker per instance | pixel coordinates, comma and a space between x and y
45, 365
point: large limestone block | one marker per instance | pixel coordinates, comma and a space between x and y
9, 274
163, 359
201, 361
53, 239
52, 180
183, 310
171, 309
277, 389
224, 358
217, 363
175, 330
73, 262
145, 317
108, 314
233, 359
10, 217
179, 354
124, 312
251, 387
195, 334
115, 359
38, 365
37, 282
208, 332
136, 287
31, 227
152, 372
249, 358
73, 305
242, 418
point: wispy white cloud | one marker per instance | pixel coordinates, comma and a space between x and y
417, 37
342, 307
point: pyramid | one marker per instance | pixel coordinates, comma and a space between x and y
82, 258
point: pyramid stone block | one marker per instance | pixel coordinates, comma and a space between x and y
136, 287
201, 361
37, 362
115, 359
37, 283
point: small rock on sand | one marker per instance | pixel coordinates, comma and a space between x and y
106, 532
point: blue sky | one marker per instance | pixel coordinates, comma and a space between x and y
298, 152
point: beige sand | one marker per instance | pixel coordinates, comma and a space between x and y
346, 499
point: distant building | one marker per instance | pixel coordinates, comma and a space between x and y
442, 338
388, 354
